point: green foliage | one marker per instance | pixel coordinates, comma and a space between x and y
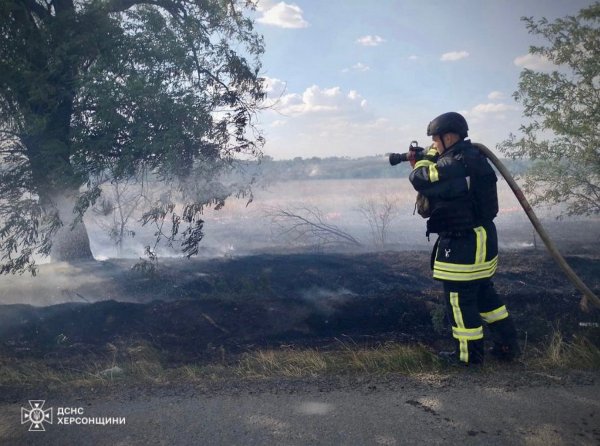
562, 110
148, 267
439, 318
102, 90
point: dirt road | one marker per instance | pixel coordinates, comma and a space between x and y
492, 408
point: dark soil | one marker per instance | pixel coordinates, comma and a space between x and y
194, 310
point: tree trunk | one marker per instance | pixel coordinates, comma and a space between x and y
70, 243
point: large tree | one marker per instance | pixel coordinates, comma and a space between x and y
90, 88
562, 111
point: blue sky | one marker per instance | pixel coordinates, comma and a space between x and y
356, 78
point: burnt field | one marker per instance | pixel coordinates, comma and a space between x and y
199, 310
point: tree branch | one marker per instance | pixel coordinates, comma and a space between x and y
172, 7
311, 225
36, 8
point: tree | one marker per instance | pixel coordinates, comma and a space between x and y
90, 86
116, 211
380, 212
562, 108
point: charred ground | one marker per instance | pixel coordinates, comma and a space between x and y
198, 310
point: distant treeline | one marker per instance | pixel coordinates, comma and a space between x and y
336, 168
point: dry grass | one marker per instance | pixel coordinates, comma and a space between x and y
389, 358
31, 372
199, 373
143, 362
579, 353
139, 362
289, 363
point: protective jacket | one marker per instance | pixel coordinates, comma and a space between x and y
461, 188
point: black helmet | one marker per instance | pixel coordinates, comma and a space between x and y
451, 122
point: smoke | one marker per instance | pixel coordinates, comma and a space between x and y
62, 282
326, 301
240, 228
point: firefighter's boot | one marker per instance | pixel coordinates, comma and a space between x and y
504, 334
467, 354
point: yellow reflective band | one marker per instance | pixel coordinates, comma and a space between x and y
464, 350
480, 249
449, 271
432, 169
496, 315
469, 334
463, 277
432, 151
458, 319
433, 173
462, 268
423, 163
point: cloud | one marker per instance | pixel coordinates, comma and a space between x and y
336, 135
493, 108
489, 112
413, 57
264, 5
321, 100
534, 62
453, 56
370, 40
282, 15
327, 121
275, 90
274, 87
494, 95
278, 123
361, 67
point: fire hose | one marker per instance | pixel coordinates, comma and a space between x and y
588, 295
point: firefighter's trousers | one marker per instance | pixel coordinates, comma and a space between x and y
469, 305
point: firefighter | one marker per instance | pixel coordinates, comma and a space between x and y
457, 188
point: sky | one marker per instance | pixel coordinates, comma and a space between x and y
354, 78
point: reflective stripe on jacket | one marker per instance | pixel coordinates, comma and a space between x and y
443, 180
472, 255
